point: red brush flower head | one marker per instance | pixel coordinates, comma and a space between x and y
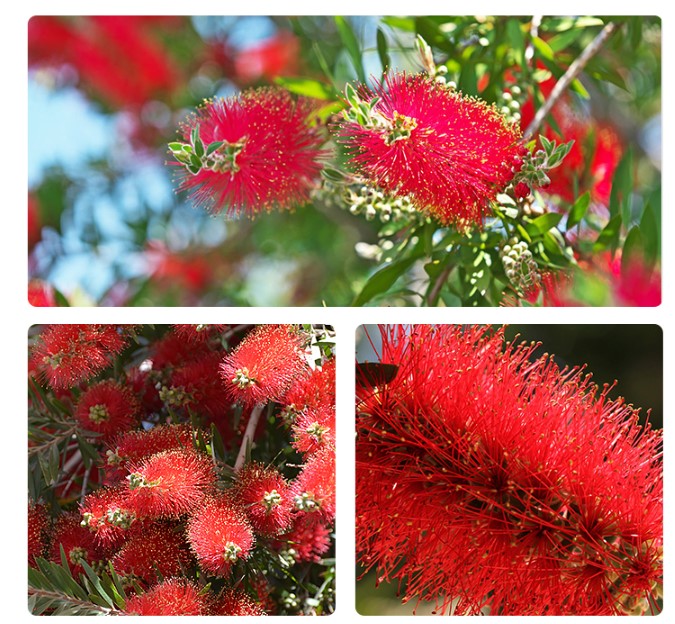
265, 154
220, 535
170, 483
316, 390
159, 551
41, 294
490, 480
198, 333
314, 487
451, 154
68, 354
107, 515
38, 525
265, 497
107, 408
171, 597
263, 366
314, 430
77, 541
308, 539
236, 602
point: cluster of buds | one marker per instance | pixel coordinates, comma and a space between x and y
509, 103
537, 164
375, 203
520, 267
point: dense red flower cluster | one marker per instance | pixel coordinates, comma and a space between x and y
451, 154
266, 157
151, 449
491, 481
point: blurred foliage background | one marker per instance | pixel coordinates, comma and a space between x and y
631, 355
106, 95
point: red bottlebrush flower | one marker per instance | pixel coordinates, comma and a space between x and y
220, 535
489, 480
264, 495
183, 270
170, 483
313, 391
38, 524
276, 56
171, 597
160, 549
41, 294
314, 430
107, 408
451, 154
77, 541
107, 515
263, 366
308, 539
198, 333
314, 487
267, 157
236, 602
132, 447
68, 354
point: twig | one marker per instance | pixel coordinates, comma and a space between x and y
85, 481
248, 435
572, 72
438, 284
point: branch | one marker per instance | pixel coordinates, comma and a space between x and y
248, 435
432, 297
568, 77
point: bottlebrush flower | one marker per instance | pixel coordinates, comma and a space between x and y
159, 551
38, 524
219, 535
314, 430
171, 597
308, 539
451, 154
264, 364
170, 483
107, 408
265, 156
106, 514
198, 333
236, 602
495, 482
41, 294
68, 354
314, 487
77, 541
264, 495
316, 390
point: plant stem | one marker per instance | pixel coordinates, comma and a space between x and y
568, 77
435, 290
248, 435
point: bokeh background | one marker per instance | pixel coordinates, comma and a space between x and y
631, 355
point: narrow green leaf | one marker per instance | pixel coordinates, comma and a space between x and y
633, 249
649, 228
213, 147
514, 32
547, 221
622, 186
609, 236
578, 210
383, 280
96, 582
543, 48
308, 87
383, 50
351, 44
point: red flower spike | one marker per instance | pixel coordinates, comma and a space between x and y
170, 483
314, 430
314, 487
160, 549
236, 602
313, 391
488, 479
267, 157
264, 365
198, 333
68, 354
41, 294
264, 495
308, 539
219, 535
107, 408
107, 515
171, 597
451, 154
77, 541
38, 524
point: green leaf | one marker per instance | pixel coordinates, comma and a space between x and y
383, 280
514, 32
546, 221
633, 249
622, 186
383, 50
351, 44
578, 210
308, 87
96, 582
649, 228
543, 48
609, 236
213, 147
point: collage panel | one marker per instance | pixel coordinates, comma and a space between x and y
181, 470
509, 470
377, 160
